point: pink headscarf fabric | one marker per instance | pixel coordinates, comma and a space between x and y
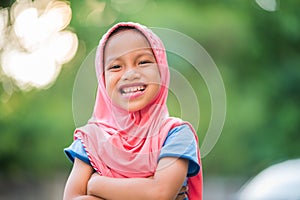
127, 144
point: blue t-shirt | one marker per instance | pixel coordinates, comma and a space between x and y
180, 143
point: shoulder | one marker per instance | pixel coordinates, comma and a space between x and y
181, 142
76, 150
181, 128
182, 133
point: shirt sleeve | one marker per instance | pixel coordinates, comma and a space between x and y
181, 143
76, 150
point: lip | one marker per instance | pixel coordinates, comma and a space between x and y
134, 94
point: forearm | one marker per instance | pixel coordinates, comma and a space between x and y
125, 188
76, 186
87, 197
165, 184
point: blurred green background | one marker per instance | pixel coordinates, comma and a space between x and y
258, 55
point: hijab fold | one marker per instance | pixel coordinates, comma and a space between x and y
127, 144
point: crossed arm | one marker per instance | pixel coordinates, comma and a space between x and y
165, 184
76, 186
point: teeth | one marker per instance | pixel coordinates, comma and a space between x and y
133, 89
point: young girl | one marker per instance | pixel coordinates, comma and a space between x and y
131, 148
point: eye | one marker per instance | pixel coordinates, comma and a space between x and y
114, 67
143, 62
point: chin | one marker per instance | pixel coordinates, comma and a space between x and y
133, 107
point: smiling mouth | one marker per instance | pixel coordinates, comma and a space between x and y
132, 89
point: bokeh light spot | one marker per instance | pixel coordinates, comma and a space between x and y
268, 5
38, 44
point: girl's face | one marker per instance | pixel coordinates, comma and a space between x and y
132, 77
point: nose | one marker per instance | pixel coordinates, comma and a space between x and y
131, 74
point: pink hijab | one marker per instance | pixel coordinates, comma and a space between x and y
127, 144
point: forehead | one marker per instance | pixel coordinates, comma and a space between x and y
125, 41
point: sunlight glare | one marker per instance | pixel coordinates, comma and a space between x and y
36, 69
25, 27
63, 46
3, 25
59, 15
38, 44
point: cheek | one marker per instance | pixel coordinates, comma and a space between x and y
155, 76
156, 80
108, 84
111, 84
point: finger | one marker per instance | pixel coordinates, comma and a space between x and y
181, 197
183, 189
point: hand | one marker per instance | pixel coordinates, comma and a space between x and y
95, 174
182, 193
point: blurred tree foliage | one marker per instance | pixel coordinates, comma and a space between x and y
256, 51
